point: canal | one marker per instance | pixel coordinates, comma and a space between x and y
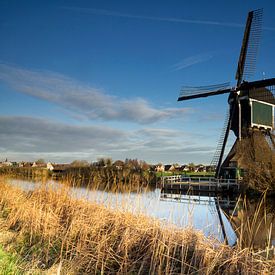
248, 222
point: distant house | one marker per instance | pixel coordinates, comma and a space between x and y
200, 168
57, 167
50, 166
159, 168
39, 165
178, 168
25, 164
184, 168
169, 167
6, 163
119, 164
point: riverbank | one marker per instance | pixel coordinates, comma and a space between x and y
109, 178
126, 179
52, 229
25, 172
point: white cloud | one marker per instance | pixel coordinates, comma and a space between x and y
31, 138
27, 134
84, 100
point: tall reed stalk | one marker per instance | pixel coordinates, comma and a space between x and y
52, 227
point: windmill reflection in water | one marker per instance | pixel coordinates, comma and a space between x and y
251, 219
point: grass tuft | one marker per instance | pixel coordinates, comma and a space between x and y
55, 229
8, 263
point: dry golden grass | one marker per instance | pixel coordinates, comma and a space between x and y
53, 228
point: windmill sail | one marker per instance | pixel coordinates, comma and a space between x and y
225, 137
188, 92
252, 104
216, 157
247, 60
257, 84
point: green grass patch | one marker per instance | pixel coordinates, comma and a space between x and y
8, 263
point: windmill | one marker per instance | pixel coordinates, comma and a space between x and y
251, 104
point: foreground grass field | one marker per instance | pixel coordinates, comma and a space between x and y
53, 231
8, 263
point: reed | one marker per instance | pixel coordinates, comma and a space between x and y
108, 178
252, 221
111, 178
53, 228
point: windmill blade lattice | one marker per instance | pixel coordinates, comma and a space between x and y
218, 151
251, 40
251, 107
189, 92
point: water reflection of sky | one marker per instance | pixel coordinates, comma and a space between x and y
191, 211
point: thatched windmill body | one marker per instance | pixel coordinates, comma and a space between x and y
251, 108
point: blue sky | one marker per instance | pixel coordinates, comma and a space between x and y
90, 79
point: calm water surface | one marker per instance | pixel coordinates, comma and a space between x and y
250, 222
181, 210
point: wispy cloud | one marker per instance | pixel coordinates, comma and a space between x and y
84, 100
191, 60
28, 134
104, 12
31, 138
